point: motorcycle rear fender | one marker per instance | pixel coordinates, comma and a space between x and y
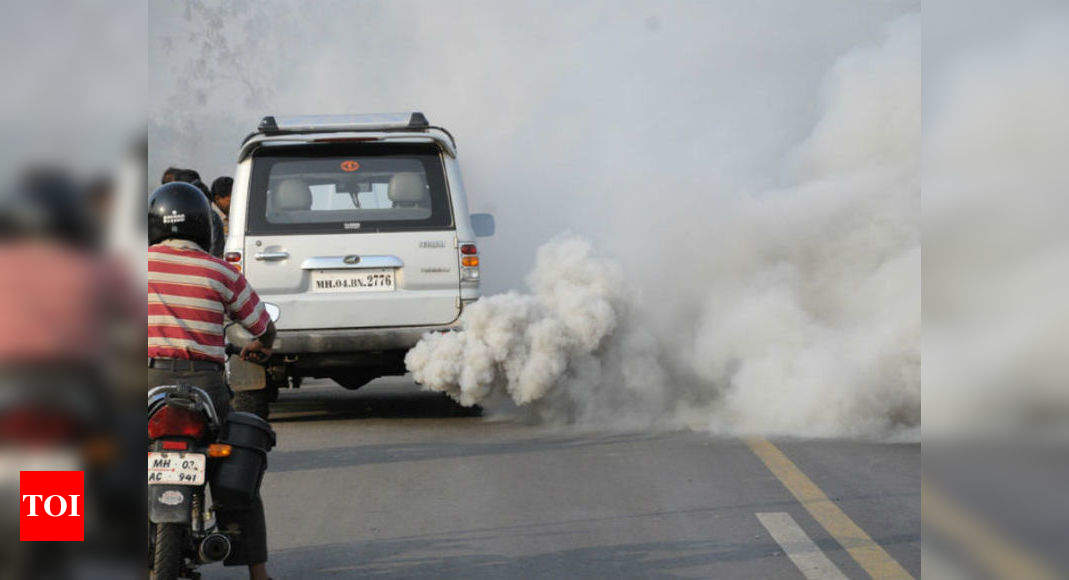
170, 504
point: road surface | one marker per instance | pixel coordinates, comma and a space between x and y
392, 482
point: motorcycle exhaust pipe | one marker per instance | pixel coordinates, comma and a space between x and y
215, 547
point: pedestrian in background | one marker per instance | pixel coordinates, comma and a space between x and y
221, 188
169, 175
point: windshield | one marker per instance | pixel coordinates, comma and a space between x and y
348, 188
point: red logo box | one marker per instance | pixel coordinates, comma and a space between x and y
51, 506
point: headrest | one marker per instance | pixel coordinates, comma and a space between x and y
292, 195
408, 188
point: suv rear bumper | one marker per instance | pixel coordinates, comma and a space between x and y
352, 339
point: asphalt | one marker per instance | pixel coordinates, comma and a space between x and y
392, 482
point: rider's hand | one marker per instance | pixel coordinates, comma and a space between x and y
255, 351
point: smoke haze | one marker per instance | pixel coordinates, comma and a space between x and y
740, 181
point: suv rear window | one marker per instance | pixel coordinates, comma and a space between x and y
349, 188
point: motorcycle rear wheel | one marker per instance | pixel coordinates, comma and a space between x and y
167, 555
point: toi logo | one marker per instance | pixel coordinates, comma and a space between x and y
51, 506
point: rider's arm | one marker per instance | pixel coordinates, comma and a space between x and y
262, 344
246, 308
268, 337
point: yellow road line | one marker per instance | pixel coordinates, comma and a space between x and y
866, 552
997, 554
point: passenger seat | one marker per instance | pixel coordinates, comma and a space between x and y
409, 190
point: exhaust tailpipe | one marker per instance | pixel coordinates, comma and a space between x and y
214, 548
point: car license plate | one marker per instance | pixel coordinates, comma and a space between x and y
369, 280
175, 468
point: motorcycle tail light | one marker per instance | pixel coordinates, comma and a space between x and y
175, 445
175, 421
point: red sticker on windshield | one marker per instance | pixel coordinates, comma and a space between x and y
349, 166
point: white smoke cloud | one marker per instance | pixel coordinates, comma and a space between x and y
569, 350
813, 318
808, 300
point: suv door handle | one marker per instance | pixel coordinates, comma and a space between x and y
271, 255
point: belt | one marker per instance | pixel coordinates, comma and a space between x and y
180, 364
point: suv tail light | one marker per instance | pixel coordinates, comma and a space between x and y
233, 258
175, 421
469, 263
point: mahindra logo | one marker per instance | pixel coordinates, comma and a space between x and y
351, 259
50, 506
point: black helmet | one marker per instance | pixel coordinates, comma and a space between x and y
179, 210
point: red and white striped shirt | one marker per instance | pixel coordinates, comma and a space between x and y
190, 295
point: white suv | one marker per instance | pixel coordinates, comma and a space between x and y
357, 228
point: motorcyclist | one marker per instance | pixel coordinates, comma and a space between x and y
190, 294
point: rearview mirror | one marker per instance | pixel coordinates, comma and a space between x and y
272, 311
483, 224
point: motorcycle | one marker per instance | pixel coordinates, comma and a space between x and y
193, 451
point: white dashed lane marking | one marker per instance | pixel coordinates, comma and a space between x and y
805, 554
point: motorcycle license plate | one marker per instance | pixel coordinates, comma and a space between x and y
175, 468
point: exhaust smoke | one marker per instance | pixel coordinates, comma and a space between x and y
569, 352
801, 316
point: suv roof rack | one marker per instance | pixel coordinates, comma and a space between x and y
413, 121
